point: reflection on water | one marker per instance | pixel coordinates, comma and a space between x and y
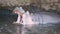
37, 29
49, 27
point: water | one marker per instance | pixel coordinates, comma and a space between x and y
48, 23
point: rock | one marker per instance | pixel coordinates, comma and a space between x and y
13, 2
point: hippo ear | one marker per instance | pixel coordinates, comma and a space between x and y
21, 10
17, 8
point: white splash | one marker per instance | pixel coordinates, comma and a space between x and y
27, 19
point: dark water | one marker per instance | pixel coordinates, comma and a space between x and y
6, 20
7, 27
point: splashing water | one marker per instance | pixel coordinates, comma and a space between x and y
26, 18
